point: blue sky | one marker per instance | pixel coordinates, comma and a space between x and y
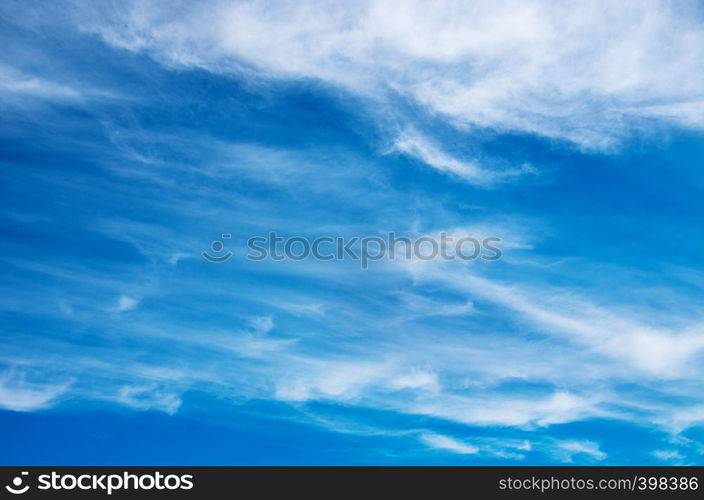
135, 134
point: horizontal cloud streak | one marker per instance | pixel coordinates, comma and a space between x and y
586, 73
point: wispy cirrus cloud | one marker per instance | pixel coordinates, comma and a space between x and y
16, 83
568, 450
417, 146
438, 441
554, 69
19, 394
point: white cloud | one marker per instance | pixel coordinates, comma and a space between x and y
587, 72
331, 380
14, 82
441, 442
684, 417
667, 455
125, 303
18, 394
658, 352
567, 450
416, 379
352, 379
20, 87
419, 147
148, 397
262, 324
311, 309
506, 410
416, 306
